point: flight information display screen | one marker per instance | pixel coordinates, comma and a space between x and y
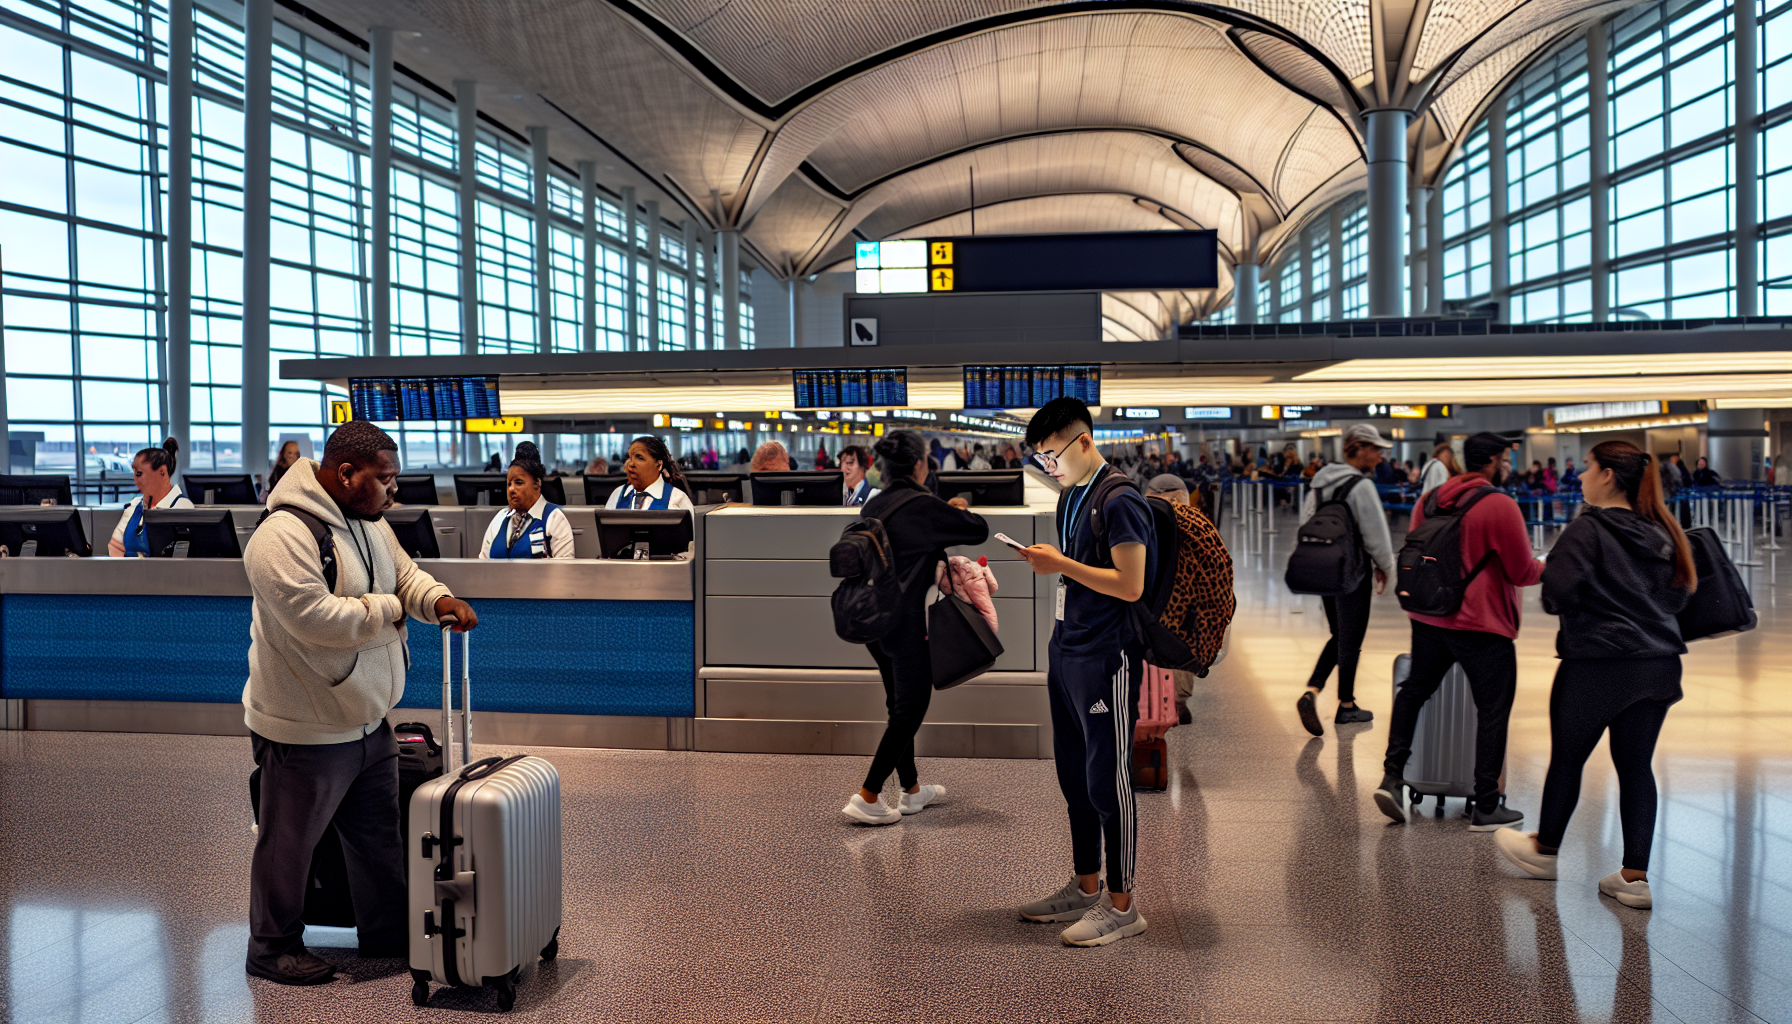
1029, 387
848, 388
424, 398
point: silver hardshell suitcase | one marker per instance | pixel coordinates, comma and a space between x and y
1443, 743
483, 861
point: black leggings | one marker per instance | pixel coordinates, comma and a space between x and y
906, 663
1348, 617
1631, 697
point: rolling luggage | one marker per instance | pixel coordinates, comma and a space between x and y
483, 861
1157, 716
419, 760
1443, 742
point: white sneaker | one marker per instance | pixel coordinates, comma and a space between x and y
1521, 849
1631, 894
870, 814
922, 796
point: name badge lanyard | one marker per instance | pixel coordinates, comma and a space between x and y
1068, 536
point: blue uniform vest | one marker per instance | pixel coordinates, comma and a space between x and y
661, 503
136, 539
531, 543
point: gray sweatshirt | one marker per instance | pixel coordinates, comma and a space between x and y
325, 667
1365, 504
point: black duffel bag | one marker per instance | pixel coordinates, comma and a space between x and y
959, 640
1721, 605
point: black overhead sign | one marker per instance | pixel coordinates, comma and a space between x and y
1100, 261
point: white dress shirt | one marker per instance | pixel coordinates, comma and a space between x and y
679, 500
173, 499
559, 530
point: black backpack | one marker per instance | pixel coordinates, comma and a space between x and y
868, 599
1430, 577
1329, 558
320, 532
1721, 605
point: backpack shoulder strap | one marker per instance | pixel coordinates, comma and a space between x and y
1104, 493
320, 532
1344, 489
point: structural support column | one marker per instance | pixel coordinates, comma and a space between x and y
690, 286
1737, 439
180, 230
1306, 275
796, 311
1748, 179
1418, 204
1498, 237
712, 249
588, 213
1387, 208
466, 117
1244, 293
631, 299
1334, 249
653, 274
1600, 172
1275, 292
258, 176
544, 241
1434, 252
380, 45
730, 284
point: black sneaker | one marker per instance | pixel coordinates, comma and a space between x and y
298, 967
1183, 715
1352, 716
1309, 715
1496, 819
1391, 797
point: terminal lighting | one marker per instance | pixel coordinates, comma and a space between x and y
1563, 414
891, 267
1144, 412
1206, 412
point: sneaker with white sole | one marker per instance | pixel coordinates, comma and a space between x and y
912, 803
1067, 904
1521, 849
868, 813
1103, 924
1631, 894
1501, 817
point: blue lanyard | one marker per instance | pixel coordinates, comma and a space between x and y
1066, 530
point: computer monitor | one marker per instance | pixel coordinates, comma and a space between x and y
627, 533
986, 487
553, 489
712, 487
825, 487
191, 533
599, 486
415, 531
417, 489
40, 532
219, 488
34, 490
470, 487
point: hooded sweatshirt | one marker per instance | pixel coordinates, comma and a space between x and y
1611, 579
325, 667
1365, 505
1493, 529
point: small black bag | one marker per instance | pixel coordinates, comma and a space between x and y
959, 641
1721, 605
1429, 577
868, 599
1329, 558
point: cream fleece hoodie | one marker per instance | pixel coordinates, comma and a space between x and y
326, 667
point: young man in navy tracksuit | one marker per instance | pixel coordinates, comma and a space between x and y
1094, 674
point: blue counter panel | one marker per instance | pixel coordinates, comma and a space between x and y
553, 657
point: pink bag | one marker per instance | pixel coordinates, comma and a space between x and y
1157, 705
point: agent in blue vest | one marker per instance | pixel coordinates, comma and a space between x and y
529, 526
153, 469
654, 479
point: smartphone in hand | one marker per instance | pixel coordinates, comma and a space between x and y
1011, 542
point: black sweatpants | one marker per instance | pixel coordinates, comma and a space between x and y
1348, 617
906, 663
1095, 704
305, 787
1630, 696
1491, 663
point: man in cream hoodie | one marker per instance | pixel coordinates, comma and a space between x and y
324, 668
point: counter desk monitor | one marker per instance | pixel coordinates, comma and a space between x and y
415, 531
643, 533
191, 533
820, 488
599, 487
35, 490
470, 488
985, 487
713, 487
27, 532
416, 489
219, 488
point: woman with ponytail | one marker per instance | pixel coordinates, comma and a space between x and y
654, 479
1616, 578
530, 526
153, 469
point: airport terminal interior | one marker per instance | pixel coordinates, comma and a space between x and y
603, 342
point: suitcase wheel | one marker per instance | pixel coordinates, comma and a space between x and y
552, 949
1417, 798
419, 993
506, 989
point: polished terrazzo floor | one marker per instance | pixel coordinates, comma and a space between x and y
718, 887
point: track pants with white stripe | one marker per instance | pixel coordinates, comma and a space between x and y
1095, 704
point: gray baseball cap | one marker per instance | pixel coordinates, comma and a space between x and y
1364, 432
1165, 483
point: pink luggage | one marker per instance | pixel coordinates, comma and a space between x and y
1157, 715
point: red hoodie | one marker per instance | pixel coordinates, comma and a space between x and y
1490, 605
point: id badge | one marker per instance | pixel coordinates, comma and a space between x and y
1060, 612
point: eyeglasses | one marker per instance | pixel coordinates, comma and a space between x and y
1048, 461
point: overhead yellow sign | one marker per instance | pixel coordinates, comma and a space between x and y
499, 425
340, 412
940, 253
940, 279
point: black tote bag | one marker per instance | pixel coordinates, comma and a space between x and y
960, 642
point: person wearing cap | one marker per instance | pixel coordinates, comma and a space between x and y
1348, 614
1174, 489
1496, 549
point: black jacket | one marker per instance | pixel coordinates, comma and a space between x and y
922, 529
1610, 578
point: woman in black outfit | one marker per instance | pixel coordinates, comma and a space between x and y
1617, 576
920, 527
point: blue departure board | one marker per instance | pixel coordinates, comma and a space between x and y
373, 398
424, 398
1029, 387
850, 388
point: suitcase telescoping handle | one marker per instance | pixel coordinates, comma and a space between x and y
466, 698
